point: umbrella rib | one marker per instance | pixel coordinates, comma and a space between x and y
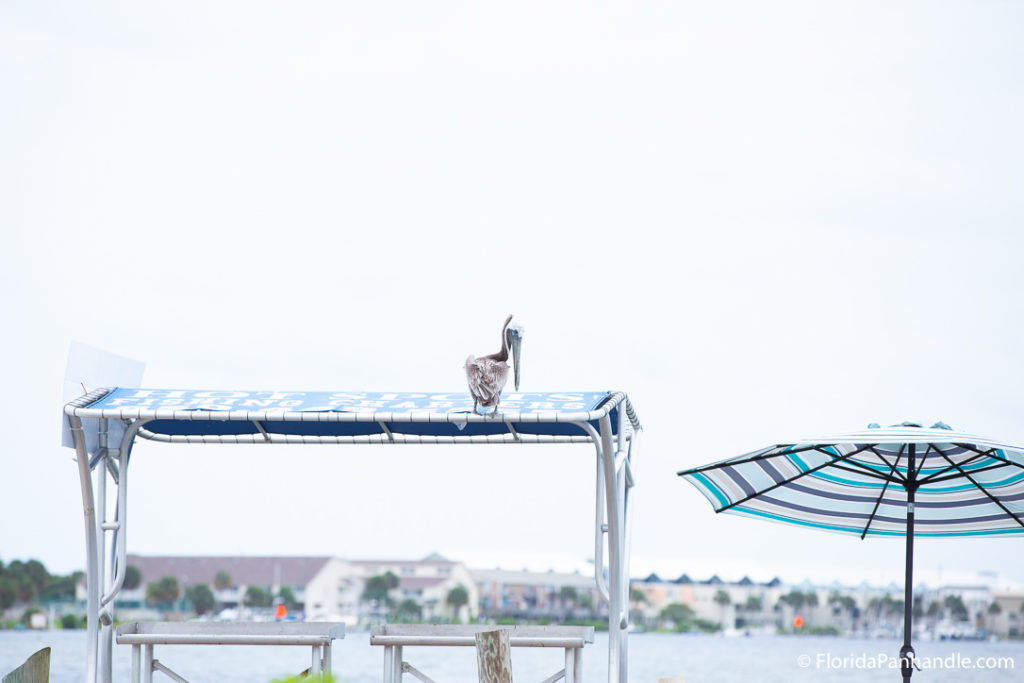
924, 457
936, 480
983, 490
893, 465
786, 481
863, 468
874, 474
990, 453
874, 511
744, 461
935, 476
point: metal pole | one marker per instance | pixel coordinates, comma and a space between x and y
627, 511
106, 635
615, 568
605, 526
907, 651
600, 529
317, 661
147, 664
91, 573
136, 663
620, 499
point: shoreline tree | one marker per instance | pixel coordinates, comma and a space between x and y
257, 597
377, 589
201, 598
723, 601
456, 598
222, 580
164, 593
132, 577
287, 598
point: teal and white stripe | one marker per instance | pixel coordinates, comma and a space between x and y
857, 483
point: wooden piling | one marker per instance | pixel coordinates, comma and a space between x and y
493, 657
36, 669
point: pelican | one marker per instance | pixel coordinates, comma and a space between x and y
487, 375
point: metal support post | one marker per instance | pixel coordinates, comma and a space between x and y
147, 664
91, 566
317, 663
328, 664
103, 568
616, 632
907, 651
136, 663
614, 493
600, 526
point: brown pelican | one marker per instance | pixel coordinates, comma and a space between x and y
487, 375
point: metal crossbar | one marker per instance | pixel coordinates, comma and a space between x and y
394, 637
143, 636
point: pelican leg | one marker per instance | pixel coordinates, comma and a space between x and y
476, 411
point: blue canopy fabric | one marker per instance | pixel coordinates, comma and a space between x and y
856, 483
213, 415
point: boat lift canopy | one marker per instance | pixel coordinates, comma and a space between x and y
105, 423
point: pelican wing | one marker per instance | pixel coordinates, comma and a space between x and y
486, 378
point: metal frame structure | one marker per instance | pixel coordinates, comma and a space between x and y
144, 636
103, 450
394, 638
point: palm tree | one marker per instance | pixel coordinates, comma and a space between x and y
934, 612
794, 600
723, 600
257, 597
843, 605
287, 596
408, 610
222, 580
957, 608
201, 598
679, 614
812, 602
164, 592
378, 589
457, 597
132, 577
994, 610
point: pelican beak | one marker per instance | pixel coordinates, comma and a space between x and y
516, 342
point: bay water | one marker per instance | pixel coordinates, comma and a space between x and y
653, 656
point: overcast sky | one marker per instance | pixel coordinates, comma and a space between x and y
760, 220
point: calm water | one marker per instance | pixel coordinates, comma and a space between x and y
700, 659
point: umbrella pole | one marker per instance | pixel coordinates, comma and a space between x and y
907, 651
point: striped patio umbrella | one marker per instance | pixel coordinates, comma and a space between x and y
898, 481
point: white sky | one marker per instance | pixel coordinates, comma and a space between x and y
762, 221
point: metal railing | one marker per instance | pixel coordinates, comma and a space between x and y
143, 636
394, 637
